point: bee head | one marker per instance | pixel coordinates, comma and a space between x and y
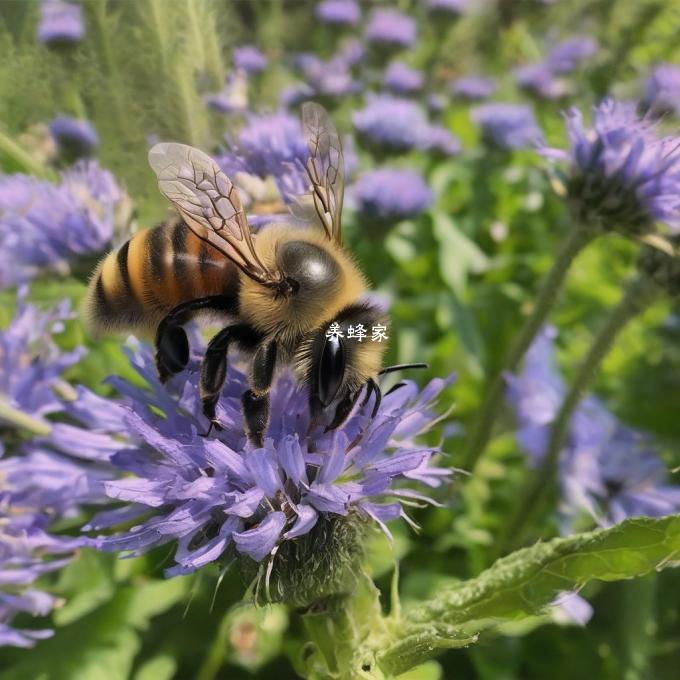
346, 352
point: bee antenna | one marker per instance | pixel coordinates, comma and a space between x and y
400, 367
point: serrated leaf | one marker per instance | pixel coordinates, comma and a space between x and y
525, 582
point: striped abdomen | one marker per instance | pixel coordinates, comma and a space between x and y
156, 270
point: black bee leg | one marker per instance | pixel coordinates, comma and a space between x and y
372, 386
172, 350
255, 401
343, 409
214, 367
172, 345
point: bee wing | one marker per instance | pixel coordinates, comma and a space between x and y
209, 204
325, 168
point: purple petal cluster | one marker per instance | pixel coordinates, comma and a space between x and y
390, 28
268, 144
249, 59
211, 495
332, 78
397, 125
568, 55
31, 364
623, 175
338, 12
60, 23
607, 470
662, 89
74, 136
507, 126
390, 195
539, 80
47, 226
40, 485
402, 79
473, 88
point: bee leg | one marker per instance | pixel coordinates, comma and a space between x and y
172, 345
343, 409
255, 401
214, 367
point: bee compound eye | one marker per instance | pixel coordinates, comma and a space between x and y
331, 369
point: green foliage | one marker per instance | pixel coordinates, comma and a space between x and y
518, 586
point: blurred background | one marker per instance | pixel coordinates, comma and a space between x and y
450, 212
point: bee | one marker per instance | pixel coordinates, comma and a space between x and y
279, 290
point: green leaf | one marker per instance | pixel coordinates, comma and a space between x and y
524, 583
159, 668
104, 643
458, 254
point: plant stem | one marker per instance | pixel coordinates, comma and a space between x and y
640, 293
18, 418
22, 158
577, 238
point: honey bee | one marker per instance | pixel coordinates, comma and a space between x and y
279, 290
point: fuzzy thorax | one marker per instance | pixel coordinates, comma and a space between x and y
291, 317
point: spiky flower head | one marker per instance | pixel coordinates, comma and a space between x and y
607, 470
389, 195
402, 79
338, 12
507, 126
76, 137
249, 59
31, 364
38, 486
472, 87
569, 54
278, 507
621, 174
50, 226
539, 80
662, 90
61, 23
390, 28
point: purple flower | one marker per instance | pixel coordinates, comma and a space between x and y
233, 98
291, 95
31, 364
662, 89
332, 78
390, 195
447, 8
27, 551
249, 59
538, 79
268, 144
46, 226
443, 141
507, 126
607, 470
60, 23
338, 12
211, 495
473, 88
392, 124
40, 485
436, 103
76, 137
567, 55
390, 28
402, 79
622, 175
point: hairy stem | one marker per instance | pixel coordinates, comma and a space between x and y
573, 243
641, 292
